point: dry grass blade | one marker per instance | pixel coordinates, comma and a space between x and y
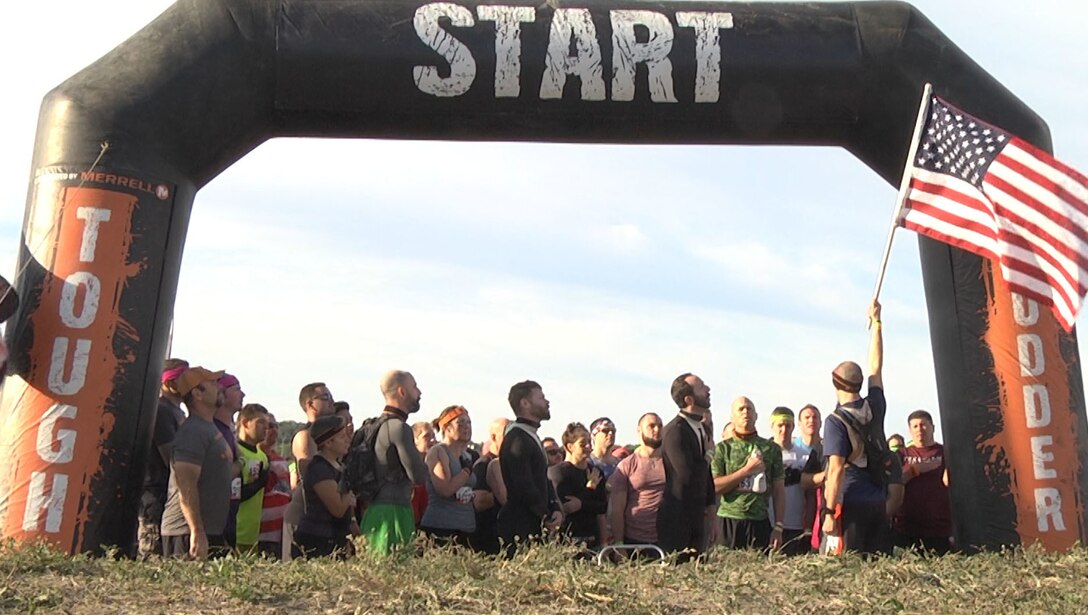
34, 579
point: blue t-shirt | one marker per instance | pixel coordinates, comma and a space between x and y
858, 487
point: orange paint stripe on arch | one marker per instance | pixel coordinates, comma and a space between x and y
1039, 438
57, 420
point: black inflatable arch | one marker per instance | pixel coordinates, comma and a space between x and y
123, 147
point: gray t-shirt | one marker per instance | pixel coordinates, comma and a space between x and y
399, 465
199, 442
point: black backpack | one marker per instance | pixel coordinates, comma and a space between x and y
879, 458
360, 474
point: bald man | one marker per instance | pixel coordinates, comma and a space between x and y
388, 521
748, 475
490, 491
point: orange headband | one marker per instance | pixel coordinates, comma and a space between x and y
450, 416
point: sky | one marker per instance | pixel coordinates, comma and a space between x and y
612, 270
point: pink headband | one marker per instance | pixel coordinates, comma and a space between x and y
227, 381
172, 374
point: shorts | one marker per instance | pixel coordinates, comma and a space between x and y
306, 546
865, 528
387, 526
925, 545
746, 533
448, 538
796, 542
178, 547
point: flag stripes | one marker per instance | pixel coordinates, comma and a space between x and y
992, 194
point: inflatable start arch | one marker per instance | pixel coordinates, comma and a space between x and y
209, 80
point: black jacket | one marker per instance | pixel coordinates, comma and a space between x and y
530, 496
689, 489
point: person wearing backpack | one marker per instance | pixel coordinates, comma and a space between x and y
388, 520
862, 484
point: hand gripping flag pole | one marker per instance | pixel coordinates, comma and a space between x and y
904, 186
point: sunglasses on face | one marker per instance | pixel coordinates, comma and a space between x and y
325, 397
553, 451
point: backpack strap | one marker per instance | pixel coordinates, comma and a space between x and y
855, 431
383, 418
390, 453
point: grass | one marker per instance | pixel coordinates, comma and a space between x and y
35, 579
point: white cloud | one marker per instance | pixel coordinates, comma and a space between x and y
621, 239
469, 334
816, 281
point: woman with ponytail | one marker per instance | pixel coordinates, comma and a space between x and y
326, 518
450, 517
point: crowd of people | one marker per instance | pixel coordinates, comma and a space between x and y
215, 483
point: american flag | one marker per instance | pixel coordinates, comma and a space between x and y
989, 192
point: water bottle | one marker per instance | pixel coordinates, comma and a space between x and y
831, 545
759, 479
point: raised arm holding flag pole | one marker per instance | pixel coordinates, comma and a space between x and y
979, 188
904, 184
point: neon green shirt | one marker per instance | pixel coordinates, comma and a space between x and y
248, 521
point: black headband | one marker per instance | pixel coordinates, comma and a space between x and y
843, 384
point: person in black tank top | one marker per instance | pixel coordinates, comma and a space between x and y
580, 486
326, 520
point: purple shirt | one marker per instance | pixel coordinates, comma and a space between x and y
228, 435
